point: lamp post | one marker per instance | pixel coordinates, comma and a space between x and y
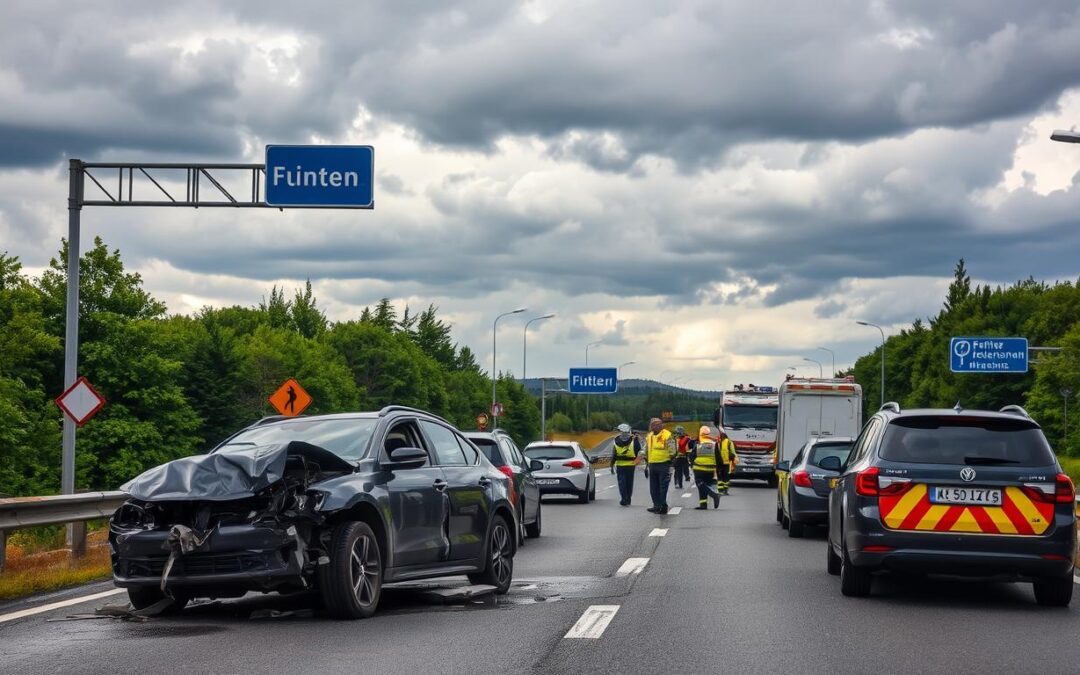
618, 371
494, 373
543, 404
1065, 394
525, 343
832, 354
591, 344
820, 372
882, 331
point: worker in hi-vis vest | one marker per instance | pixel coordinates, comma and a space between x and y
683, 452
707, 464
624, 462
659, 451
727, 455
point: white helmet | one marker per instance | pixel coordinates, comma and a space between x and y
623, 428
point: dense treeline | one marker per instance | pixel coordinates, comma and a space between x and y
176, 385
917, 360
567, 413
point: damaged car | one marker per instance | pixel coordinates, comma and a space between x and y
334, 504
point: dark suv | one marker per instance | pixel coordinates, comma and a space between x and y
501, 451
959, 492
336, 503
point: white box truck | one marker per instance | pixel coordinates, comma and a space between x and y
816, 407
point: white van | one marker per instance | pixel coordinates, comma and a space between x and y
811, 407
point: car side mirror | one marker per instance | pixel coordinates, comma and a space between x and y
831, 463
406, 458
783, 466
536, 465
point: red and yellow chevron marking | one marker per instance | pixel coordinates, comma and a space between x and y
1019, 514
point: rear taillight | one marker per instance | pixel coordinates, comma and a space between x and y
866, 482
802, 479
1064, 493
508, 471
877, 549
574, 464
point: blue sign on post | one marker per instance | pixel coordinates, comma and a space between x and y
339, 176
988, 355
594, 380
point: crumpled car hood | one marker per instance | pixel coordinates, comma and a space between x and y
221, 476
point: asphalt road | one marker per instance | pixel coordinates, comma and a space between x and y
721, 591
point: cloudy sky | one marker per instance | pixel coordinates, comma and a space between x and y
714, 189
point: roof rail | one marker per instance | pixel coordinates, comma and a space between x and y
890, 405
1015, 410
404, 408
271, 418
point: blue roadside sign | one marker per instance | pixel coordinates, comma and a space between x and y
988, 354
594, 380
339, 176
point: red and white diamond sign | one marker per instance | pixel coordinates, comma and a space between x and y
80, 402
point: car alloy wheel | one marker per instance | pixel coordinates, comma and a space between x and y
502, 555
364, 570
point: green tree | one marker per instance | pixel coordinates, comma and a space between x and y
305, 316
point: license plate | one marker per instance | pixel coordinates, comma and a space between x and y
966, 495
547, 481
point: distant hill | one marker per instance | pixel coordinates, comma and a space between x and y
630, 387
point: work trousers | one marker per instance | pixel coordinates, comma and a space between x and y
659, 480
706, 486
724, 483
682, 470
625, 476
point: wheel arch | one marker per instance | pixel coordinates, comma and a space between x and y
367, 512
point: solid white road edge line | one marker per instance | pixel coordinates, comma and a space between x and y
658, 532
674, 510
593, 622
58, 605
632, 566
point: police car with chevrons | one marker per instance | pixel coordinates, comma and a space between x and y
953, 491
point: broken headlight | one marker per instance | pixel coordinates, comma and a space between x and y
133, 515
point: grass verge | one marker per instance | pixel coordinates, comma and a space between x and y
28, 571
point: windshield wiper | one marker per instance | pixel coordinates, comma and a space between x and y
989, 460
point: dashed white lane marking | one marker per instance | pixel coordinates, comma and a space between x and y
685, 495
674, 510
610, 487
658, 532
1076, 579
58, 605
593, 622
632, 566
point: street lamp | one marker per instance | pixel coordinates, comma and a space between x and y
820, 373
833, 355
882, 331
494, 373
618, 371
525, 343
543, 403
591, 344
1065, 136
1065, 394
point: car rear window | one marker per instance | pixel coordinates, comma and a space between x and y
823, 450
550, 452
490, 449
971, 441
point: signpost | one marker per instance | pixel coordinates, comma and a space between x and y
329, 176
988, 355
593, 380
290, 399
80, 402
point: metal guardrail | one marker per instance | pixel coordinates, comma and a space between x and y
21, 512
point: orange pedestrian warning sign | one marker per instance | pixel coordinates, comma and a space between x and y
290, 399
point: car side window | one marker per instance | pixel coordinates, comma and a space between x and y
404, 435
471, 456
510, 451
864, 441
447, 450
798, 457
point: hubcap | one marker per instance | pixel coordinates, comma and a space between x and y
364, 570
500, 554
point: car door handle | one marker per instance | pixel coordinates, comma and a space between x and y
439, 485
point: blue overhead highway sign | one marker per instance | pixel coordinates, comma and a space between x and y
988, 355
339, 176
594, 380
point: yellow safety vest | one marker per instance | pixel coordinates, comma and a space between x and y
659, 446
624, 455
727, 451
706, 456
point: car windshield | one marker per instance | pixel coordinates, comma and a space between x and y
823, 450
971, 440
750, 416
490, 449
550, 452
347, 438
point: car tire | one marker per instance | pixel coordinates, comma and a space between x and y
351, 583
148, 596
592, 492
1054, 592
532, 531
583, 496
785, 522
832, 563
779, 510
854, 581
796, 529
772, 480
498, 558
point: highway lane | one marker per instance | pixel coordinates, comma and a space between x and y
722, 590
